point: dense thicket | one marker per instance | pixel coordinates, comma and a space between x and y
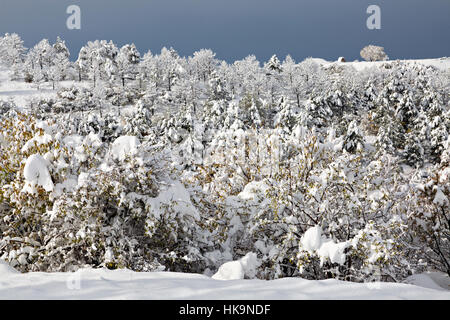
165, 162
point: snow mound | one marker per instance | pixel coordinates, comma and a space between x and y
430, 280
237, 270
100, 284
6, 269
124, 146
36, 174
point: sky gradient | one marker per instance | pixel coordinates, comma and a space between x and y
236, 28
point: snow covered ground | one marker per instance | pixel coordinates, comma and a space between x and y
125, 284
440, 63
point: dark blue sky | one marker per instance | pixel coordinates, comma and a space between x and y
236, 28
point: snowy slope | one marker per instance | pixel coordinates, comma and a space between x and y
22, 93
125, 284
440, 63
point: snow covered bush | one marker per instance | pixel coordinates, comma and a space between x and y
64, 206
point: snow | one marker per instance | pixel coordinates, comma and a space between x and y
178, 197
37, 140
332, 251
314, 242
124, 146
125, 284
36, 173
236, 270
66, 186
431, 280
252, 189
6, 270
440, 198
441, 63
312, 239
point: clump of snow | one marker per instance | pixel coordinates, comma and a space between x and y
124, 146
375, 195
440, 198
253, 189
314, 242
332, 251
67, 185
312, 239
6, 269
83, 179
177, 197
36, 174
37, 140
236, 270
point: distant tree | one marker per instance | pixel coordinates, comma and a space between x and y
168, 66
95, 60
203, 63
127, 62
12, 51
273, 64
60, 48
373, 53
39, 61
59, 68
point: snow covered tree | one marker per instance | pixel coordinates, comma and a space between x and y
204, 63
96, 59
12, 50
273, 64
169, 67
127, 62
373, 53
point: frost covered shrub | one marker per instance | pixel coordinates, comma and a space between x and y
74, 99
120, 96
5, 106
312, 184
91, 204
28, 178
427, 209
103, 222
139, 122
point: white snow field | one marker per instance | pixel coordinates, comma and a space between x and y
125, 284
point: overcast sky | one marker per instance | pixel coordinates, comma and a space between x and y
236, 28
